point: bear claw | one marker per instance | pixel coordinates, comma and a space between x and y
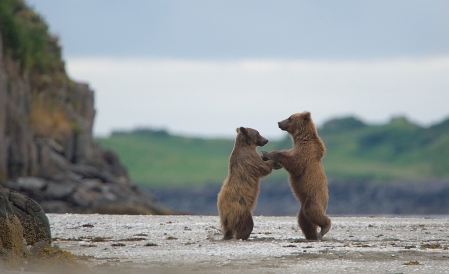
266, 156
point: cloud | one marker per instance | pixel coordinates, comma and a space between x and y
251, 28
212, 98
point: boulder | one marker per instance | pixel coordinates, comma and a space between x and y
11, 233
59, 191
31, 183
31, 216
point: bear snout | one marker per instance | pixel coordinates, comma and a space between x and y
283, 125
261, 143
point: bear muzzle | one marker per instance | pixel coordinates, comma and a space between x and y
261, 143
283, 125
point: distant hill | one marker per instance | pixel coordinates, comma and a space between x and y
397, 151
155, 158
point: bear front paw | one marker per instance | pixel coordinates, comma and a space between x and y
276, 166
266, 156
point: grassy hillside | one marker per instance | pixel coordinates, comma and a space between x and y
158, 159
398, 150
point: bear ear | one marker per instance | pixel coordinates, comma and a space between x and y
306, 115
242, 130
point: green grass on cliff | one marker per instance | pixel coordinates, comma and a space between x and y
26, 39
398, 150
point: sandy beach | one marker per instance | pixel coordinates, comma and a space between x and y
187, 244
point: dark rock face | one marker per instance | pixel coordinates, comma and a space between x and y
47, 151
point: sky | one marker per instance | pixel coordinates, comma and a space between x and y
204, 68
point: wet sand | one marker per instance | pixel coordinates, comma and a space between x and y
188, 244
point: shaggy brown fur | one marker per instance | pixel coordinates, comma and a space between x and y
239, 192
307, 178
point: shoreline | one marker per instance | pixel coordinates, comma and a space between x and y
188, 243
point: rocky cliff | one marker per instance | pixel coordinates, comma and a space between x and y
46, 146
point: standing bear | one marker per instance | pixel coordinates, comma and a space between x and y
307, 178
239, 192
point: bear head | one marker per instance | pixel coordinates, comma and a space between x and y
299, 125
250, 137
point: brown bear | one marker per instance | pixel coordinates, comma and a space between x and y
239, 192
307, 178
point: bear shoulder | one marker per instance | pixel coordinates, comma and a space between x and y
319, 146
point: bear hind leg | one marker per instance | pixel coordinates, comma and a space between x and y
226, 230
308, 228
314, 213
326, 227
227, 235
245, 226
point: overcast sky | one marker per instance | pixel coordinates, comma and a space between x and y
203, 68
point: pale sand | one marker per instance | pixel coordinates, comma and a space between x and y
187, 244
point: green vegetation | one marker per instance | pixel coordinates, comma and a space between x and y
398, 150
159, 159
26, 39
386, 152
